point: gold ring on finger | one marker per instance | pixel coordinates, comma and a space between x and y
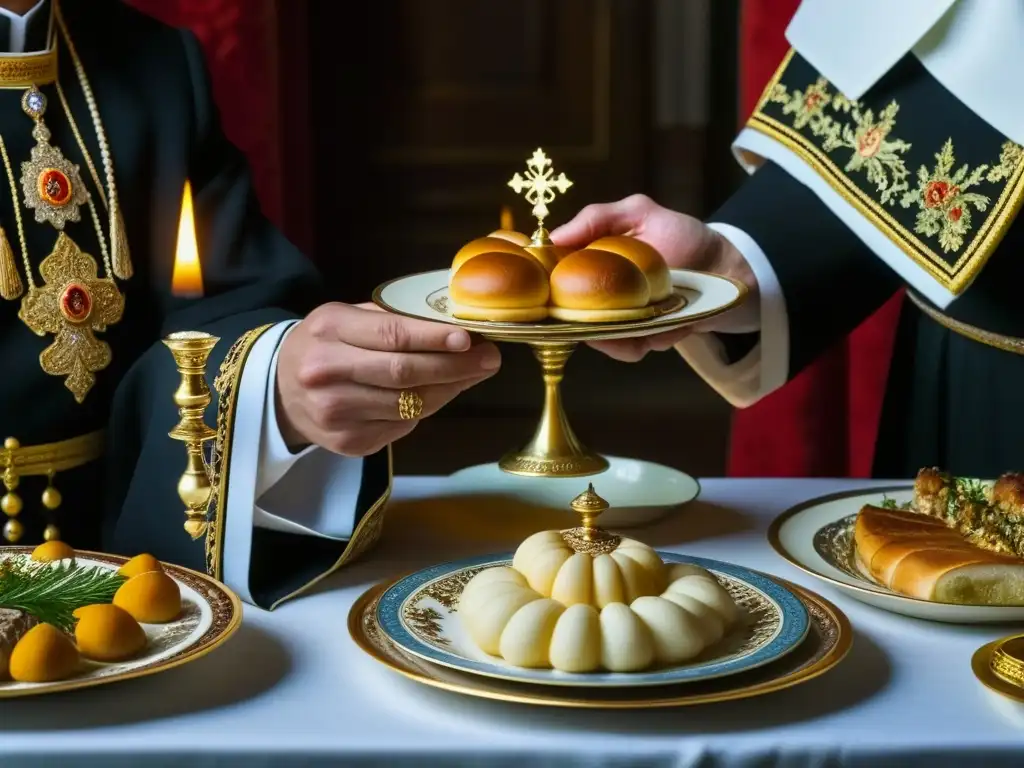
410, 405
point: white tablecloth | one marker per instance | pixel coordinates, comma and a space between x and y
292, 689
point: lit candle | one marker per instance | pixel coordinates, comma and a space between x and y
506, 219
187, 280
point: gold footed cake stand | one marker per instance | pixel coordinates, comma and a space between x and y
555, 451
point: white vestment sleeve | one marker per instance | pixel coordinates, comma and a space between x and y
311, 493
766, 367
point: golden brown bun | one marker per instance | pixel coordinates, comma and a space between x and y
651, 263
548, 255
916, 555
513, 237
500, 287
598, 286
485, 245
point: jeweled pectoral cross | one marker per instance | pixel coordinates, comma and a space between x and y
74, 304
540, 184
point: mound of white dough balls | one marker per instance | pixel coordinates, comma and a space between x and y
621, 610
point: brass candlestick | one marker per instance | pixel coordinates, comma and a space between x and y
554, 451
191, 350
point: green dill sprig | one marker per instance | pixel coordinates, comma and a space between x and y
971, 490
888, 503
52, 592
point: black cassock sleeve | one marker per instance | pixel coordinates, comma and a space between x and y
253, 277
830, 280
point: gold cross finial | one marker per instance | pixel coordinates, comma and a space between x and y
540, 184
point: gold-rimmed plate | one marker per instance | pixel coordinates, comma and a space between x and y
817, 537
211, 613
827, 643
697, 296
419, 614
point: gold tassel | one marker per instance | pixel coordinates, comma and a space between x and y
121, 257
11, 286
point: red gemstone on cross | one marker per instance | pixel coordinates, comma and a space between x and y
76, 303
54, 187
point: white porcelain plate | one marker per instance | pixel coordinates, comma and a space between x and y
211, 613
419, 614
817, 537
698, 296
639, 492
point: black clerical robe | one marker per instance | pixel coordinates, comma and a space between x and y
153, 95
853, 199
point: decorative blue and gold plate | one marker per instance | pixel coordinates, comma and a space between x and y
419, 614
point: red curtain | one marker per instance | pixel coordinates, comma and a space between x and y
238, 37
824, 422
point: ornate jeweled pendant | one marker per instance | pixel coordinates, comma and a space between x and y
73, 305
51, 183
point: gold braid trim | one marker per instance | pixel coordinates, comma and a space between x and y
364, 537
226, 385
999, 341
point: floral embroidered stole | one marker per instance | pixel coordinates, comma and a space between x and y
936, 179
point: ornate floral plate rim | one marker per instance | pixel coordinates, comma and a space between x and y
820, 559
828, 644
224, 606
792, 628
408, 296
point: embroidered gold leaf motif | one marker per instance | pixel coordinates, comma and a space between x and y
873, 151
945, 204
1009, 158
73, 305
807, 106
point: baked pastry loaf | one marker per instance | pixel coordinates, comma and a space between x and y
917, 555
512, 236
501, 288
597, 287
485, 245
645, 257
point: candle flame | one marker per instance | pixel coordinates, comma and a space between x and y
187, 279
506, 219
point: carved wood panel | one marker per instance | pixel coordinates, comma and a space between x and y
445, 100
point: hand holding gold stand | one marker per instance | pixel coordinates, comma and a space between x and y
191, 350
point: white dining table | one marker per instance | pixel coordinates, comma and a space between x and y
292, 689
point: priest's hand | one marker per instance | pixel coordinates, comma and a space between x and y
342, 371
685, 242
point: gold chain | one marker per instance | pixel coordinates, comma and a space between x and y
109, 200
17, 215
97, 122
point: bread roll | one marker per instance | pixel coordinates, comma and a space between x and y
501, 288
485, 245
919, 556
645, 257
548, 255
599, 286
513, 237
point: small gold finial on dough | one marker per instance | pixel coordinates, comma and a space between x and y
588, 537
589, 506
